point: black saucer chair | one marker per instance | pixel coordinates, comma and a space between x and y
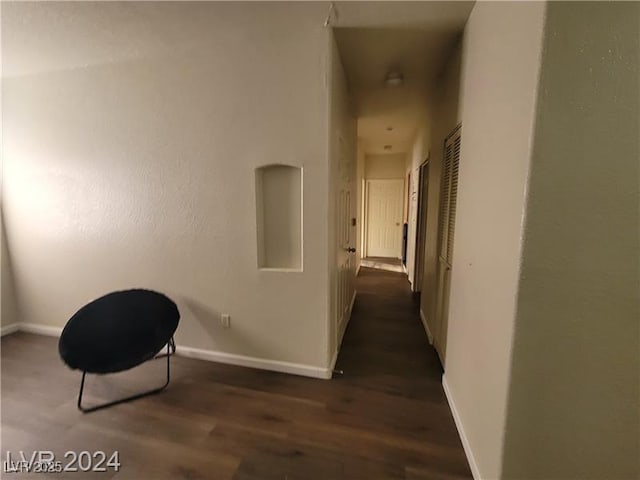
117, 332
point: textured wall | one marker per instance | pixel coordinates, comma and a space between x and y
131, 134
384, 166
446, 94
574, 395
9, 313
500, 64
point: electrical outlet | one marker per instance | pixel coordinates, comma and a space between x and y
225, 320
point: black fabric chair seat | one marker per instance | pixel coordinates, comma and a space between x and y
117, 332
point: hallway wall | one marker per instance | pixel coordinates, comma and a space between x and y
384, 166
8, 307
500, 65
445, 93
9, 315
574, 397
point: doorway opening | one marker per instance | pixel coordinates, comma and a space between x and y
384, 210
391, 73
421, 231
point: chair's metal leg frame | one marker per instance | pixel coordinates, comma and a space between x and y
171, 349
171, 344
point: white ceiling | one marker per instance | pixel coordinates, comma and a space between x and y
424, 14
418, 52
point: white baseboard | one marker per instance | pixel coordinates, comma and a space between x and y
201, 354
254, 362
332, 365
40, 329
463, 437
8, 329
426, 327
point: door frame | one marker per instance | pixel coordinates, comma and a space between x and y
365, 220
421, 230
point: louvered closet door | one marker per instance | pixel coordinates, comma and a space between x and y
446, 226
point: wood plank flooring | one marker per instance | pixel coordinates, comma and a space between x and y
385, 418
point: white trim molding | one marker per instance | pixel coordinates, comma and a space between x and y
40, 329
463, 437
254, 362
8, 329
200, 354
426, 327
334, 360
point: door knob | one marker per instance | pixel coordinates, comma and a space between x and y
351, 250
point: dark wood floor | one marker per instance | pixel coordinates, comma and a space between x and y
385, 418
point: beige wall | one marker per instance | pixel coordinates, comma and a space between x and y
279, 217
384, 166
129, 161
574, 395
501, 57
446, 93
8, 312
8, 309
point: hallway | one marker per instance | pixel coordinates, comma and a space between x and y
385, 418
386, 355
385, 340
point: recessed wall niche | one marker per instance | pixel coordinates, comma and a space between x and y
279, 217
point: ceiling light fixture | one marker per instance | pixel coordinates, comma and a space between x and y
394, 79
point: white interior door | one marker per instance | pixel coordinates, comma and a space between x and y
345, 238
346, 261
384, 218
